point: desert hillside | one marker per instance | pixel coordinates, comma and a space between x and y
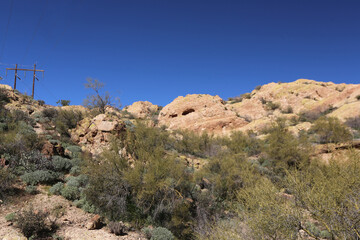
281, 162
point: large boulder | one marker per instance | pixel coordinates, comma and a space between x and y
142, 109
199, 113
95, 134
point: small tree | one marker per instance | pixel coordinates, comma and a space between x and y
97, 101
63, 102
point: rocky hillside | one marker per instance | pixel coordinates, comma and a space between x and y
255, 110
151, 167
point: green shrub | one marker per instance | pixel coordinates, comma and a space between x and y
41, 102
284, 149
6, 180
258, 87
84, 204
63, 102
330, 130
75, 151
158, 233
353, 122
31, 190
34, 223
61, 164
11, 217
67, 119
330, 193
271, 105
49, 113
4, 97
75, 170
118, 228
289, 109
358, 97
246, 95
242, 143
39, 176
70, 192
56, 188
79, 181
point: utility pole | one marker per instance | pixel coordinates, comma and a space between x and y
15, 76
16, 69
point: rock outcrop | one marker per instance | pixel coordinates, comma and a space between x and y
199, 113
300, 96
94, 134
142, 109
255, 111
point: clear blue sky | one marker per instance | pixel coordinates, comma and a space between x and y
157, 50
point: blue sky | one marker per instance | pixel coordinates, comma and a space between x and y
157, 50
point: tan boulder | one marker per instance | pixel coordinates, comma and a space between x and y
199, 113
142, 109
95, 134
95, 223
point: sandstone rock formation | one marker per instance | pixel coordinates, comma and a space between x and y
142, 109
301, 96
95, 134
199, 113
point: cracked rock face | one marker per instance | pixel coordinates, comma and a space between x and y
199, 113
94, 134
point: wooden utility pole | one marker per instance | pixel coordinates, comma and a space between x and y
16, 69
15, 76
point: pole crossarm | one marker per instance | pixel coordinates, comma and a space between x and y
16, 69
20, 69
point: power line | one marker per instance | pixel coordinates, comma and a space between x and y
7, 29
35, 31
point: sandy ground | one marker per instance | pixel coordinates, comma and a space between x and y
72, 221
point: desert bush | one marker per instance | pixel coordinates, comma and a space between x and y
266, 213
56, 188
331, 194
84, 204
70, 192
67, 119
41, 102
202, 145
34, 223
6, 181
353, 122
330, 130
31, 190
4, 97
358, 97
75, 151
75, 170
258, 87
74, 186
61, 164
63, 102
31, 161
118, 228
49, 113
11, 217
289, 109
158, 233
226, 175
98, 100
39, 176
243, 143
271, 105
226, 229
284, 149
